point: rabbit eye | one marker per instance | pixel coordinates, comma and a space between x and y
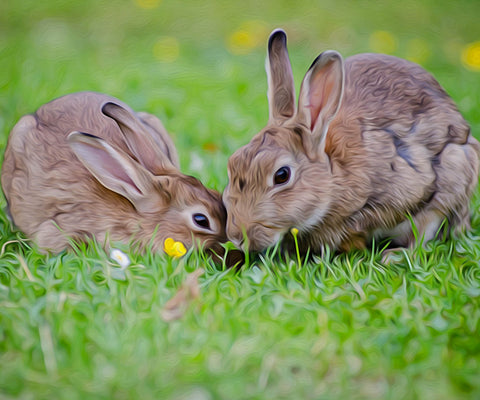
201, 220
282, 176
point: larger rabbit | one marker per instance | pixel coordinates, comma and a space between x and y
85, 165
375, 145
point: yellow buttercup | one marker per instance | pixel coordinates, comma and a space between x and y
174, 248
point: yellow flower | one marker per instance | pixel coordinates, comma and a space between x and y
383, 42
148, 4
241, 42
174, 248
294, 232
120, 257
249, 35
471, 56
166, 49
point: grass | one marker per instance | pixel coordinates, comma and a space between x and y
75, 326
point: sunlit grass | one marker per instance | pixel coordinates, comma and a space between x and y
80, 326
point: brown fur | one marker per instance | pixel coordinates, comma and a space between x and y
54, 198
388, 143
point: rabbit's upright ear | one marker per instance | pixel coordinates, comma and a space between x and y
281, 88
321, 95
142, 144
116, 170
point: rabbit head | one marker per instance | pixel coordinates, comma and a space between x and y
274, 180
168, 203
187, 209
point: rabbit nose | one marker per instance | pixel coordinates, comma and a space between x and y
238, 242
237, 239
235, 233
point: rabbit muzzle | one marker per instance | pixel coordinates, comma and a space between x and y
254, 236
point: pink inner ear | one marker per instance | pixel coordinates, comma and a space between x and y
107, 166
321, 88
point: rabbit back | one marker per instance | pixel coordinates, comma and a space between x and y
400, 147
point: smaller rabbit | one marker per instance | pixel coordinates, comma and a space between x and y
85, 165
374, 145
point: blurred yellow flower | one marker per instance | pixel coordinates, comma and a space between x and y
418, 50
210, 147
174, 248
471, 56
383, 42
166, 49
147, 4
294, 232
241, 42
249, 35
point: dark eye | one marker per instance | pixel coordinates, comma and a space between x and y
282, 176
201, 220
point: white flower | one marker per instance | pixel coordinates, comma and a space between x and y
120, 257
196, 162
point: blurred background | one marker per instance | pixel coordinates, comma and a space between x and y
199, 65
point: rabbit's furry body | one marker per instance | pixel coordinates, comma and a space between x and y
57, 190
374, 145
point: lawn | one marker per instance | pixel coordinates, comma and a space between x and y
348, 326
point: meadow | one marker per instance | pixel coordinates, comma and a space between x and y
342, 326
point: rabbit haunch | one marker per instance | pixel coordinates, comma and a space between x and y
374, 142
116, 178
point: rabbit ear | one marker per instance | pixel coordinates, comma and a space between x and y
321, 95
114, 169
139, 141
281, 88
